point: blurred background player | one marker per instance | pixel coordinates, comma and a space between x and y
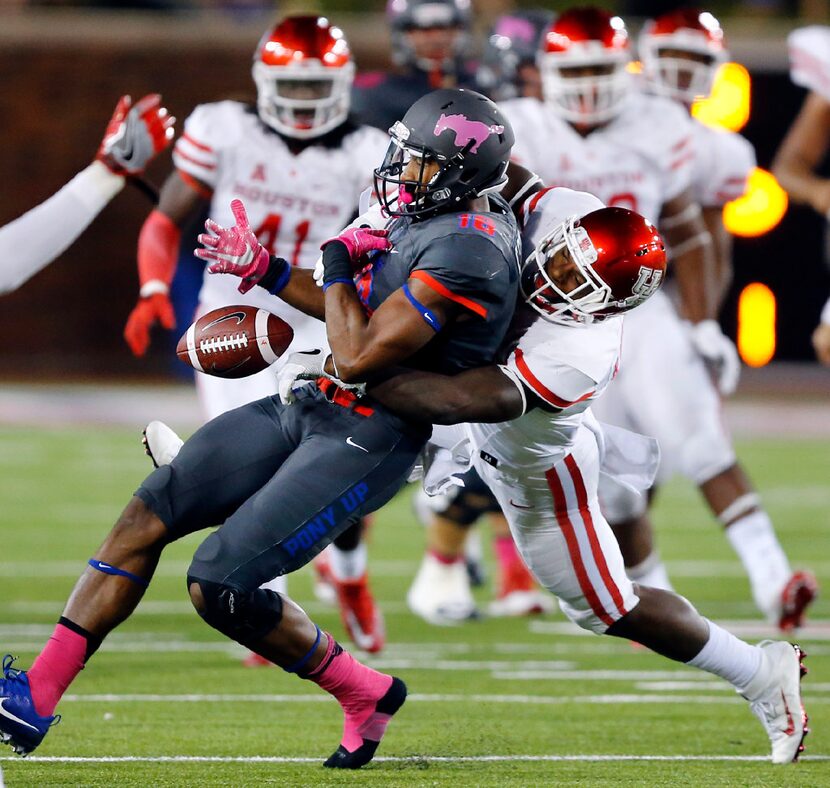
429, 47
508, 62
805, 146
300, 164
637, 150
134, 136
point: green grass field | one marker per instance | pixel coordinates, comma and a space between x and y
496, 702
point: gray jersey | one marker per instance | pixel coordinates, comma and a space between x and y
469, 258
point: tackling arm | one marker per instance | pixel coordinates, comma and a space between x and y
486, 394
801, 151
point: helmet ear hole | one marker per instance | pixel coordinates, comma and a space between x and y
469, 174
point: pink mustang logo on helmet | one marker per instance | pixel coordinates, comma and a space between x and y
466, 131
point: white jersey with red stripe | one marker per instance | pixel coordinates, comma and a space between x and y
723, 162
294, 203
640, 160
810, 58
565, 365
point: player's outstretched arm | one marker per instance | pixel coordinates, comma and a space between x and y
30, 243
486, 394
802, 150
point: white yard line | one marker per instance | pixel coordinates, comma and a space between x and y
533, 700
417, 759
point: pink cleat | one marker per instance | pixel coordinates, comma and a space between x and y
799, 593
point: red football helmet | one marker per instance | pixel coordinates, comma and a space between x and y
620, 256
583, 61
303, 71
681, 52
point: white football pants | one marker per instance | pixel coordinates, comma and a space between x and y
562, 535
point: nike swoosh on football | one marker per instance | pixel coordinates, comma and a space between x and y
6, 713
356, 445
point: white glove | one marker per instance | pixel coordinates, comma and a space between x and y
719, 354
319, 271
307, 365
303, 365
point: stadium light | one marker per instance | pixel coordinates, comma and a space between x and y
756, 324
759, 209
729, 104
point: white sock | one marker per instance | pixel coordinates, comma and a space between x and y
651, 572
753, 539
728, 657
348, 564
278, 584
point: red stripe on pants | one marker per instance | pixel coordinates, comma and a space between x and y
596, 548
561, 510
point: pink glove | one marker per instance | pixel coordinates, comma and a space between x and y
360, 241
234, 250
135, 135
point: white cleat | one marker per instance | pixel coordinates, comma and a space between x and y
774, 696
161, 444
440, 593
522, 603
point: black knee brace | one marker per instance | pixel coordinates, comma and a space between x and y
244, 616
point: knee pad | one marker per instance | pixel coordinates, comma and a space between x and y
244, 616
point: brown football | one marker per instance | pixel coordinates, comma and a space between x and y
234, 341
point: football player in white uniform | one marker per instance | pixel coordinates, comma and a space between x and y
300, 165
807, 142
542, 454
634, 149
133, 137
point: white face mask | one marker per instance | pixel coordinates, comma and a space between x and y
305, 101
591, 99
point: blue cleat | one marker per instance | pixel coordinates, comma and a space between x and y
20, 725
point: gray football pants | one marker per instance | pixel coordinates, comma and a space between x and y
281, 481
